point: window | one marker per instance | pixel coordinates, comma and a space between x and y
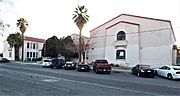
10, 54
30, 45
121, 35
27, 54
27, 45
30, 54
120, 54
37, 46
34, 45
34, 54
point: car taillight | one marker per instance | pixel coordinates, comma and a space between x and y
177, 72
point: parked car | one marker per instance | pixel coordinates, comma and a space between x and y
83, 67
101, 65
143, 70
46, 63
57, 63
70, 65
4, 60
170, 72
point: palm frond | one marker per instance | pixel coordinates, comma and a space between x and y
80, 16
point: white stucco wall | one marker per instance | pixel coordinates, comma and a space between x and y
7, 47
7, 50
150, 44
37, 49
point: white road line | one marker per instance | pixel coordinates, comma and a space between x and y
80, 82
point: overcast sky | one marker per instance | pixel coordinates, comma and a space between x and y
54, 17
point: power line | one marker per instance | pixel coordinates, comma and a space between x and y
136, 32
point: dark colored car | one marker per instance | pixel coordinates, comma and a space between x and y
143, 70
83, 67
57, 63
4, 60
70, 65
101, 65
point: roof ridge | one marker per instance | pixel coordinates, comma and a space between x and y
131, 16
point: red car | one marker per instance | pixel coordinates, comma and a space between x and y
102, 66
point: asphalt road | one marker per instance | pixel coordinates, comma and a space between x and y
33, 80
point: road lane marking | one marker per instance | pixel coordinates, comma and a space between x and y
50, 80
35, 82
74, 81
156, 84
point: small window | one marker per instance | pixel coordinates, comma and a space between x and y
27, 45
34, 45
30, 54
34, 54
10, 54
120, 54
37, 46
121, 35
27, 54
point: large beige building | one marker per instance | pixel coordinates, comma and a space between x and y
129, 40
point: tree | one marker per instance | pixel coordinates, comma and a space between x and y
67, 47
22, 24
64, 46
50, 48
80, 18
15, 40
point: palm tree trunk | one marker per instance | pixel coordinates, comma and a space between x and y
80, 45
16, 52
22, 58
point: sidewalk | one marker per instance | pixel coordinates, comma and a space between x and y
26, 63
120, 69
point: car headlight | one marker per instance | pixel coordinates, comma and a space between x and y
72, 64
142, 70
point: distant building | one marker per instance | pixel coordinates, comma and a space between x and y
85, 45
129, 40
32, 49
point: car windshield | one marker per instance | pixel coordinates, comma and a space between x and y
144, 66
101, 61
176, 68
47, 60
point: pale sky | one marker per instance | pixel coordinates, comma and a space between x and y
54, 17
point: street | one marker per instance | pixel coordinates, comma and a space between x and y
33, 80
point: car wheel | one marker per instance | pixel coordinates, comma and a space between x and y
96, 71
51, 67
156, 73
169, 76
138, 74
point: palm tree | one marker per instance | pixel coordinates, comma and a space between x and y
22, 24
80, 18
15, 41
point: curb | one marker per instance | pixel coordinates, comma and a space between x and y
118, 70
27, 63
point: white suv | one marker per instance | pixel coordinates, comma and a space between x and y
46, 63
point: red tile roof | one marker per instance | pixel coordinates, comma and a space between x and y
34, 39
